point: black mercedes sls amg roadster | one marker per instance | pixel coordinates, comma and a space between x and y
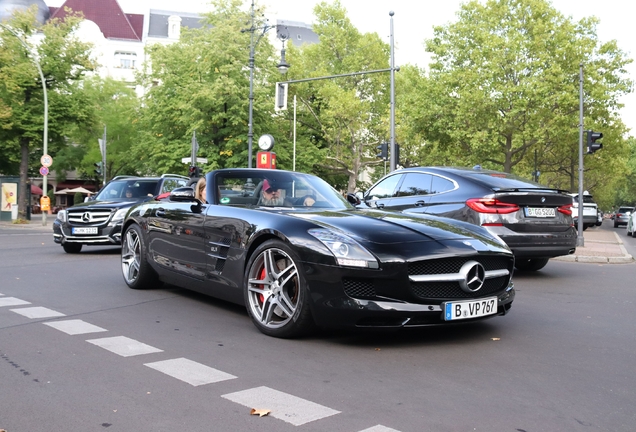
297, 254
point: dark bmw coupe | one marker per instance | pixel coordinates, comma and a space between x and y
297, 254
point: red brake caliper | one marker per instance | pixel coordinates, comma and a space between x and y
261, 297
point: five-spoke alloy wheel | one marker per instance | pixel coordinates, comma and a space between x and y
135, 268
276, 292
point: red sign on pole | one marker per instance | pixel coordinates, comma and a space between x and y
266, 159
44, 171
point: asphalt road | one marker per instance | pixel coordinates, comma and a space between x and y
562, 360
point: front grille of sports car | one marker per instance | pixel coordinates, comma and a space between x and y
452, 289
452, 265
359, 288
89, 217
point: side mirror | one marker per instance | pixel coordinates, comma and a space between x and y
182, 194
353, 199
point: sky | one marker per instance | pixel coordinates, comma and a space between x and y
413, 22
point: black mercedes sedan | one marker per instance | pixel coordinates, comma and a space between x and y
534, 220
297, 254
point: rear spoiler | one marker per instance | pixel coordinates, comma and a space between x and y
532, 190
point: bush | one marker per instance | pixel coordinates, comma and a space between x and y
78, 198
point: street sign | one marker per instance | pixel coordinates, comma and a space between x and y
45, 203
199, 160
47, 161
44, 171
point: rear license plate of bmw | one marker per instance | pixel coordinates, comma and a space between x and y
540, 212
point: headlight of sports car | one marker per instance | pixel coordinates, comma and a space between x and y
61, 215
347, 251
119, 215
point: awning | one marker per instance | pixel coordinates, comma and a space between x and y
36, 190
62, 192
80, 190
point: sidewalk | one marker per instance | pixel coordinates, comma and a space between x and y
601, 246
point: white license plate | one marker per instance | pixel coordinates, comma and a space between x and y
86, 230
542, 212
470, 309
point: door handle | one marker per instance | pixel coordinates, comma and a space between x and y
419, 203
161, 212
380, 205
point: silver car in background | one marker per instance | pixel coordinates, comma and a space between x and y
622, 216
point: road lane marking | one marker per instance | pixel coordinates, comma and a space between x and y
283, 406
12, 301
74, 327
38, 312
189, 371
124, 346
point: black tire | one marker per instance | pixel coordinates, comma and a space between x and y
135, 269
533, 264
615, 225
72, 248
275, 291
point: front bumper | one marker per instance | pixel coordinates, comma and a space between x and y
332, 307
107, 235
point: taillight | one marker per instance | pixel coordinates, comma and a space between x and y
619, 214
491, 205
565, 209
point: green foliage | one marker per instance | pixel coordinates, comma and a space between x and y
341, 119
504, 83
78, 198
22, 96
203, 86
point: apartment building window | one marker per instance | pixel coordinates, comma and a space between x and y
125, 59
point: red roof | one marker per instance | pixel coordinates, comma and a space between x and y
108, 15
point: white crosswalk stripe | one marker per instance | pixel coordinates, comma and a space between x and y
124, 346
38, 312
189, 371
379, 428
74, 327
12, 301
283, 406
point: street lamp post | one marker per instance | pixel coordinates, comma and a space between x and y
45, 138
282, 67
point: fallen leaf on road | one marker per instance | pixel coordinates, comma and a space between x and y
260, 412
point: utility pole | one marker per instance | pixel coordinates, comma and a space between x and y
580, 241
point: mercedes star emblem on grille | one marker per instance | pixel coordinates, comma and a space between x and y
474, 275
86, 217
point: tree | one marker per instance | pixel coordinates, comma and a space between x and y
201, 83
504, 82
22, 106
342, 119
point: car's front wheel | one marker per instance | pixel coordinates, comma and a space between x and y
72, 248
135, 268
531, 264
276, 294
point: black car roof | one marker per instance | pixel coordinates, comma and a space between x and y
496, 180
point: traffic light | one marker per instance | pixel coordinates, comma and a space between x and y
281, 96
99, 168
194, 171
384, 151
592, 145
397, 154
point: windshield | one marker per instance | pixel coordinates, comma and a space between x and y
276, 189
126, 190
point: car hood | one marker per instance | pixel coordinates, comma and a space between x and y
106, 204
384, 227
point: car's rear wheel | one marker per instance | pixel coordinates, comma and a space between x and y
531, 264
276, 294
135, 268
72, 248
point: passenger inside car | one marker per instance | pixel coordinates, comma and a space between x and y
199, 190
